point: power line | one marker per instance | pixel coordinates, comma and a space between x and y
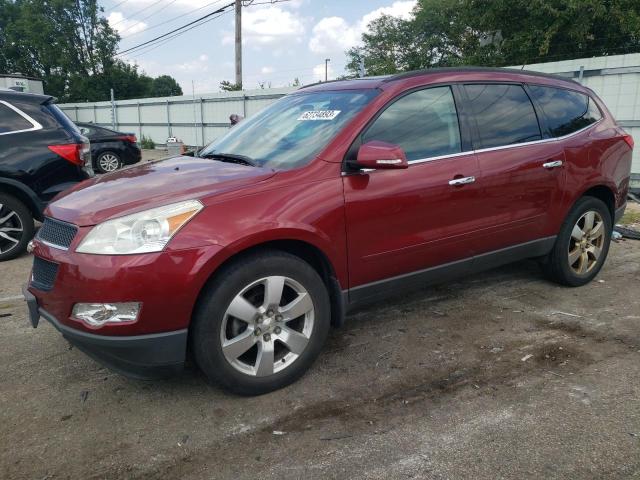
220, 10
159, 43
136, 13
168, 39
172, 19
115, 6
138, 22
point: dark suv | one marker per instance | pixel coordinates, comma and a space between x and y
335, 195
42, 153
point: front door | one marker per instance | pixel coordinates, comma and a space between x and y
403, 221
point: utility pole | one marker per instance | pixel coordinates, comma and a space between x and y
326, 69
113, 110
239, 43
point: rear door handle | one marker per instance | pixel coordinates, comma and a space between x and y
554, 164
462, 181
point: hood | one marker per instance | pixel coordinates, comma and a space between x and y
150, 185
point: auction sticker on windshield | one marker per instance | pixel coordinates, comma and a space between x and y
319, 115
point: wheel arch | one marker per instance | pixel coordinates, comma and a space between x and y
24, 194
306, 251
604, 193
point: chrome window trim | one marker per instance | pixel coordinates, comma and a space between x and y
502, 147
36, 125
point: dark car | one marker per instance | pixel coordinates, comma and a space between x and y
110, 150
335, 195
42, 153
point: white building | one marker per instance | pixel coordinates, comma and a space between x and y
21, 83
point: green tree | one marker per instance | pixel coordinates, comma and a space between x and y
165, 86
227, 86
498, 33
70, 45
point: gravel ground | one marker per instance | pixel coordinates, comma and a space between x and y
502, 375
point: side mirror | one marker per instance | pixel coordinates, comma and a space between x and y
379, 155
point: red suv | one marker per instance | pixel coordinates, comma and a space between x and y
332, 196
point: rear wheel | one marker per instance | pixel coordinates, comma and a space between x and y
16, 227
108, 162
261, 323
582, 245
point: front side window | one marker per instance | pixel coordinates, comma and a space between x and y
12, 121
293, 130
565, 111
504, 115
423, 123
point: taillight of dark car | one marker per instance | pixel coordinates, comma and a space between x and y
128, 138
72, 152
76, 153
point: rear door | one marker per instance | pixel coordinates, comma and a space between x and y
403, 221
522, 171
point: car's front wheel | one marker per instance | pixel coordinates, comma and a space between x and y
261, 323
108, 162
582, 244
16, 227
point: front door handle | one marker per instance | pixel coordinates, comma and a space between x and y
554, 164
462, 181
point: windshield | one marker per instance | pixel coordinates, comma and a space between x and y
293, 130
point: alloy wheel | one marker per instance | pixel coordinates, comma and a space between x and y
108, 162
11, 229
586, 242
267, 326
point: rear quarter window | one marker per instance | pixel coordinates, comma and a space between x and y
62, 118
11, 120
565, 111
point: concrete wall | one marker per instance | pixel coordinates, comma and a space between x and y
195, 121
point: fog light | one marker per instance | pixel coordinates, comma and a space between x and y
98, 314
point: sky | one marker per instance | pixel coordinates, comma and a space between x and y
281, 42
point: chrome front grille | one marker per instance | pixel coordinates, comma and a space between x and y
56, 233
44, 274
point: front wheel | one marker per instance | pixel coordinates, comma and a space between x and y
261, 323
582, 244
16, 227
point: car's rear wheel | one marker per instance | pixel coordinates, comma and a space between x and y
16, 227
582, 245
261, 323
108, 162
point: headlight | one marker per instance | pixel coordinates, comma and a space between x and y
142, 232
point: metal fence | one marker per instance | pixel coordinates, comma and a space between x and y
196, 120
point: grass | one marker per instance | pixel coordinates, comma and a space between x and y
630, 217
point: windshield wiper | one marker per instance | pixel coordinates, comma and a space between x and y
231, 158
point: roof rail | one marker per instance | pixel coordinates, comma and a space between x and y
416, 73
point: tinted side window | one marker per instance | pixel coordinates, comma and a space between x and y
504, 114
62, 118
11, 121
566, 111
423, 123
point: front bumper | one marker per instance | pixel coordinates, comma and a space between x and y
138, 356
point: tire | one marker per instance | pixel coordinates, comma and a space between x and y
16, 227
294, 336
574, 260
108, 162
